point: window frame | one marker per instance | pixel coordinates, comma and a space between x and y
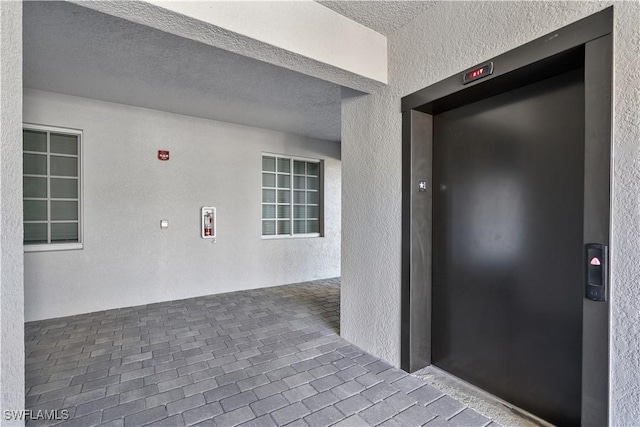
291, 174
46, 247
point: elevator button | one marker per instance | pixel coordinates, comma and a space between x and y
596, 272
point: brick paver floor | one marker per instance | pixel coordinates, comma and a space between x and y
264, 357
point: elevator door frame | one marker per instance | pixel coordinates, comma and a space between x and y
534, 61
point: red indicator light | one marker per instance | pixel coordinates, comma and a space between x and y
595, 261
478, 73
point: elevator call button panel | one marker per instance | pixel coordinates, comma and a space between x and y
478, 73
596, 272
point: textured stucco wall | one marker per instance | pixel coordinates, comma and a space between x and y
127, 259
450, 37
11, 261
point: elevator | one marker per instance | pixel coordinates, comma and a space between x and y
506, 205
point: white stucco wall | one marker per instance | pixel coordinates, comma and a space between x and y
11, 264
127, 259
450, 37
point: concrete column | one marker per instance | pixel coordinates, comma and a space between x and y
11, 252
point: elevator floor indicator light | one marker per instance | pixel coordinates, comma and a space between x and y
478, 73
595, 261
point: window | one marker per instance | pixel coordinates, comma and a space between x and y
291, 197
51, 188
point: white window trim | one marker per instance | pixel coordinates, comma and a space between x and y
320, 197
73, 245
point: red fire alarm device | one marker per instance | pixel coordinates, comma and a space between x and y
163, 154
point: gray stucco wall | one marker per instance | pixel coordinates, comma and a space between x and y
11, 263
127, 259
450, 37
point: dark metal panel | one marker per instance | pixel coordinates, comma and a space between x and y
405, 295
508, 245
598, 122
567, 38
416, 230
535, 72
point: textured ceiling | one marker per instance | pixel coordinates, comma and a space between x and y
381, 16
73, 50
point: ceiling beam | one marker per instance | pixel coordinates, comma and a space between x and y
302, 36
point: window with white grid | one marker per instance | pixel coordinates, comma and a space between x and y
51, 188
291, 196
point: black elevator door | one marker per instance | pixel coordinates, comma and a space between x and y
508, 245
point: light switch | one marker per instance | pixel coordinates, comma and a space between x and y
164, 223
